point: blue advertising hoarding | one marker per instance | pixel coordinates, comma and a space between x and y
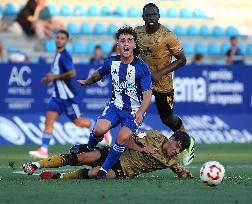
215, 104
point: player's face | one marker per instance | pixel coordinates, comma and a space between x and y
234, 41
126, 44
151, 16
61, 40
173, 148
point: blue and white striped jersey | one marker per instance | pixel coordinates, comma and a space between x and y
63, 89
129, 81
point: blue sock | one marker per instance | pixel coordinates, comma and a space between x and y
93, 141
113, 156
46, 140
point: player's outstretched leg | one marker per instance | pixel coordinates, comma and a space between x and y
78, 174
50, 175
51, 162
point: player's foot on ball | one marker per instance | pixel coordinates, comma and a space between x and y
29, 168
49, 175
101, 174
40, 153
188, 154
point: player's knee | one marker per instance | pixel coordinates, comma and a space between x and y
99, 130
122, 140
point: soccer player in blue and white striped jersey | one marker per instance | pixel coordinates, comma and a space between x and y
63, 98
131, 96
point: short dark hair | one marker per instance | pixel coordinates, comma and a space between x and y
97, 47
64, 32
150, 5
233, 37
183, 138
129, 30
126, 30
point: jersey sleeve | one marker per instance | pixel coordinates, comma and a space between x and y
67, 62
105, 69
174, 45
178, 168
146, 81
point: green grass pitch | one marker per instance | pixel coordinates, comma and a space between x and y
157, 187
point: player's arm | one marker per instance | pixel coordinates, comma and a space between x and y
66, 75
96, 76
146, 84
131, 144
52, 77
180, 170
178, 63
145, 104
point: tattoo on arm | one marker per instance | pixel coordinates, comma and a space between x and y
96, 76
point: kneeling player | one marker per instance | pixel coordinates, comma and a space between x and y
146, 152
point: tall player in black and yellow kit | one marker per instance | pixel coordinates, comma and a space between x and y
157, 46
146, 152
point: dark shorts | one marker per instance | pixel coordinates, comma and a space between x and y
164, 102
116, 168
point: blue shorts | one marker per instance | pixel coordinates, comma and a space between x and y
70, 107
117, 116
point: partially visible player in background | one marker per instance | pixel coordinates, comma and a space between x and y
157, 46
234, 54
63, 98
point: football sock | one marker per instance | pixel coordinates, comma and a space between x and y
113, 156
58, 161
45, 140
93, 141
78, 174
51, 162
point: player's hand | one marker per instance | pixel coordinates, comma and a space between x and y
82, 82
147, 150
51, 77
48, 78
138, 117
187, 175
44, 80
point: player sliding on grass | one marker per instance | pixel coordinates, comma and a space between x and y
145, 152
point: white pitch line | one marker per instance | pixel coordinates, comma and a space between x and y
235, 166
22, 172
40, 170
